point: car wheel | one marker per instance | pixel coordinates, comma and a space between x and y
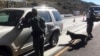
4, 53
54, 39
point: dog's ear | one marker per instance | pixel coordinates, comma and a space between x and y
67, 32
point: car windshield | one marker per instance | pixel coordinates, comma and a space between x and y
10, 17
95, 8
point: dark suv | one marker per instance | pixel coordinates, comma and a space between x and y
96, 12
15, 41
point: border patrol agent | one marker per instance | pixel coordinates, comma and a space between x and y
90, 22
38, 30
38, 27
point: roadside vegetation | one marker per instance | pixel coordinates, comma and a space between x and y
64, 6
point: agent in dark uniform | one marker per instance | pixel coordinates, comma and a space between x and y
90, 22
38, 30
38, 27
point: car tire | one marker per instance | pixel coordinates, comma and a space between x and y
54, 39
4, 53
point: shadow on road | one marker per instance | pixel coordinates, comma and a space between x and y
45, 49
81, 44
64, 45
78, 46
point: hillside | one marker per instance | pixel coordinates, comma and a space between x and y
67, 6
64, 6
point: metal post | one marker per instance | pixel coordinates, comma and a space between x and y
73, 11
10, 3
7, 4
25, 3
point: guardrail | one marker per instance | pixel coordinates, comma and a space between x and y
66, 15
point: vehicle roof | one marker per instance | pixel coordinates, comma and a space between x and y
30, 8
95, 6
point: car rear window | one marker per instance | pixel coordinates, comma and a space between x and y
57, 15
45, 15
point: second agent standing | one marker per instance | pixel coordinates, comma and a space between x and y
90, 22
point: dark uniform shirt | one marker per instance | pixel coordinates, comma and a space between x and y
38, 26
37, 23
91, 18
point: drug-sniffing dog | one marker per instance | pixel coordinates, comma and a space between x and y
77, 36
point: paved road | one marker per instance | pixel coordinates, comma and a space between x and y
68, 24
92, 48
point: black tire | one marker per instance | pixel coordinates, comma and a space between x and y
54, 39
4, 53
